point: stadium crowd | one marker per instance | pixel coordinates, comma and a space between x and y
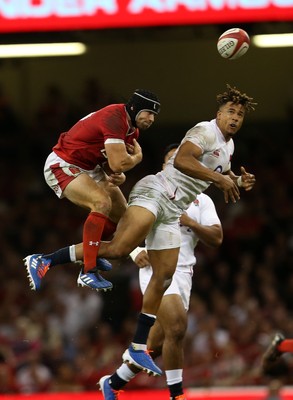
64, 338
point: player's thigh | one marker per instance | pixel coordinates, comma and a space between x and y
132, 228
86, 192
163, 261
172, 315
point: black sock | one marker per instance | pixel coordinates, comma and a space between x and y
176, 389
116, 382
61, 256
144, 325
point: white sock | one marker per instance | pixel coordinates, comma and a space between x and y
72, 253
150, 315
139, 346
125, 373
174, 376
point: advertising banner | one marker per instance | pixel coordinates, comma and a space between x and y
56, 15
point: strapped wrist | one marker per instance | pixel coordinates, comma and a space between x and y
239, 181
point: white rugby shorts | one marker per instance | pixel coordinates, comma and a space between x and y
151, 194
59, 173
181, 283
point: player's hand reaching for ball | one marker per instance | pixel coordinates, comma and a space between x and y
247, 180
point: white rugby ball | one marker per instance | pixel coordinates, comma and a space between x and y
233, 43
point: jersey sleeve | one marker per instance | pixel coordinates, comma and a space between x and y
201, 136
114, 125
208, 213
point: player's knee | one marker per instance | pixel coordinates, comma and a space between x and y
177, 330
102, 205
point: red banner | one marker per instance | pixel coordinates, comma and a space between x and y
49, 15
240, 393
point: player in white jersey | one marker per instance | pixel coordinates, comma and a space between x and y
157, 201
199, 222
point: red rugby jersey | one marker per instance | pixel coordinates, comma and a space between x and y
83, 144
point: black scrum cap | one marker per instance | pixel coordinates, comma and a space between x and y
142, 100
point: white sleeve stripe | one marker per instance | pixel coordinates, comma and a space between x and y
108, 141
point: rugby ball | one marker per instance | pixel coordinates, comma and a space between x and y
233, 43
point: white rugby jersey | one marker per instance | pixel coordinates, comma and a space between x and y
216, 155
202, 210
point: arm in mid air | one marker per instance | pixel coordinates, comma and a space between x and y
245, 180
187, 162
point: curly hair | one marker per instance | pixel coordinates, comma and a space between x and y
234, 95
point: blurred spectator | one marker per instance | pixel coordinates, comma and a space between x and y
274, 390
7, 376
33, 376
11, 128
66, 378
94, 96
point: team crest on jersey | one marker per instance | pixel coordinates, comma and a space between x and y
216, 153
196, 202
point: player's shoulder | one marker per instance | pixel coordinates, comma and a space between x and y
113, 118
113, 108
203, 199
231, 145
206, 129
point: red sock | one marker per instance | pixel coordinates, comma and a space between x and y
109, 229
286, 346
92, 233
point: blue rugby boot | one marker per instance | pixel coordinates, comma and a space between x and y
142, 360
37, 266
108, 392
103, 264
93, 280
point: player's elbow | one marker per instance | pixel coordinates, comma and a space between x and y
217, 238
218, 241
116, 166
179, 163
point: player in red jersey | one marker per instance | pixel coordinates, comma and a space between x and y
86, 166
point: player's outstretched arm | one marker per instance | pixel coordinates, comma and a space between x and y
245, 180
186, 161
